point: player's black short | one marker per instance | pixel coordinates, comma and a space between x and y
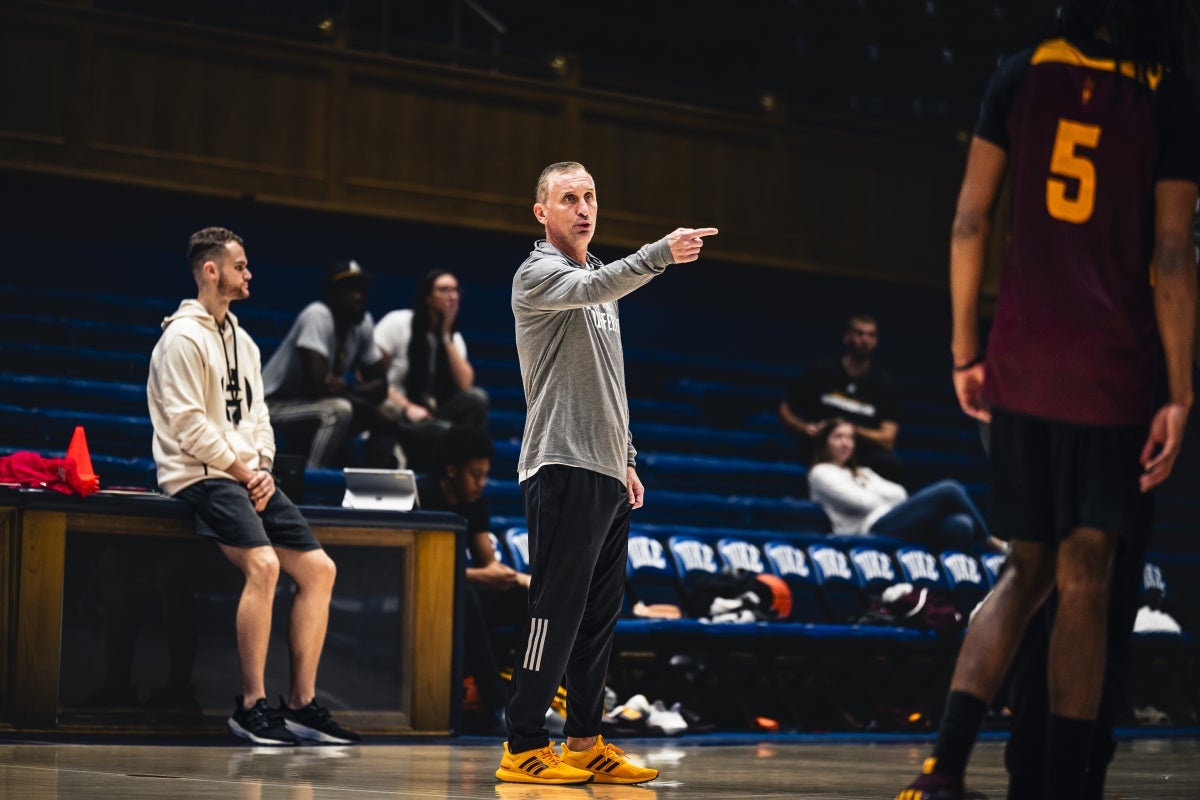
224, 512
1049, 478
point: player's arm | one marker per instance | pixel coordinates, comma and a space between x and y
1174, 269
488, 572
797, 423
986, 163
884, 435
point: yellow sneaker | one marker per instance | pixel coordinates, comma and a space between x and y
539, 766
932, 785
607, 763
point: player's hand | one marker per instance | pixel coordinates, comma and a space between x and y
1162, 445
637, 492
449, 314
968, 385
495, 576
261, 487
814, 429
416, 412
685, 243
335, 385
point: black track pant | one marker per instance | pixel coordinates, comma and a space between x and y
578, 538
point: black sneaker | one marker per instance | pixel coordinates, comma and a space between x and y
261, 724
314, 723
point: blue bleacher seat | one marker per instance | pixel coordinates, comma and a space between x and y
966, 577
841, 585
920, 567
992, 562
874, 566
741, 554
722, 474
1153, 579
650, 571
789, 562
54, 391
517, 540
693, 559
504, 498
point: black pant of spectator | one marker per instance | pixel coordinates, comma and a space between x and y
416, 439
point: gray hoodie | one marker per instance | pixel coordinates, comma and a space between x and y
194, 435
572, 366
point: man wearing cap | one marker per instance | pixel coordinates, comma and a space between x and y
306, 379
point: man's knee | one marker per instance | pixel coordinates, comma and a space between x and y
958, 530
477, 397
1084, 567
338, 411
315, 570
1029, 571
261, 567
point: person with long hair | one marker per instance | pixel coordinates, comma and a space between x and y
431, 384
1099, 134
859, 501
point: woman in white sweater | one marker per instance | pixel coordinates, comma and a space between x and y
858, 501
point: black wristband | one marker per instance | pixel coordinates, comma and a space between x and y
976, 361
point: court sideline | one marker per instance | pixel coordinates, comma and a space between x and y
829, 768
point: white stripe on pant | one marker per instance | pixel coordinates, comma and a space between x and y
538, 628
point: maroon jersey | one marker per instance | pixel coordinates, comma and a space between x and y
1074, 337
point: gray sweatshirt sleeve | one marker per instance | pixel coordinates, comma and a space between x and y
548, 284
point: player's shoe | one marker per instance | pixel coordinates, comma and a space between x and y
933, 785
607, 763
539, 766
261, 724
315, 724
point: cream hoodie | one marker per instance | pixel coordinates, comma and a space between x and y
194, 437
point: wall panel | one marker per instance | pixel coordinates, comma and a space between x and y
35, 83
105, 96
203, 106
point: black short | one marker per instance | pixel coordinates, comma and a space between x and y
1049, 478
224, 512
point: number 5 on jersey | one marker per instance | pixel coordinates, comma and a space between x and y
1065, 162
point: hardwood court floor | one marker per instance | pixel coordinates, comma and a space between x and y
1154, 769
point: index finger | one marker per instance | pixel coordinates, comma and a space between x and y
694, 232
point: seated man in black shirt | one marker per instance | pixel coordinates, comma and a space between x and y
853, 389
496, 594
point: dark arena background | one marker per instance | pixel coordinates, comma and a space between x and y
824, 138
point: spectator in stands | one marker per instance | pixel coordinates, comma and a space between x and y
495, 592
1096, 132
577, 477
214, 448
850, 388
431, 384
859, 500
327, 378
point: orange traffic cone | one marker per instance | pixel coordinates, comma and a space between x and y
78, 450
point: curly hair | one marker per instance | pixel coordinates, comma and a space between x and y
1146, 33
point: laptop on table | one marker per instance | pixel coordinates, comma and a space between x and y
380, 489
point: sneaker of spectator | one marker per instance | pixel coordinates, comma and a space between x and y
314, 723
261, 724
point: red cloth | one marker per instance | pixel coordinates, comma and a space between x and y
32, 470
